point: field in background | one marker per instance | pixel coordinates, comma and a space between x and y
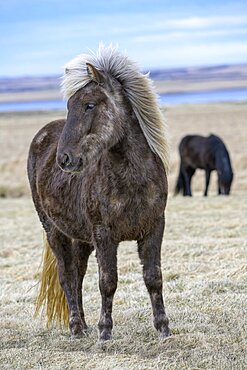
226, 120
165, 80
203, 264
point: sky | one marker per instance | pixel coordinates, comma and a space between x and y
39, 37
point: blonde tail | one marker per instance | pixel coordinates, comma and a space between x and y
51, 296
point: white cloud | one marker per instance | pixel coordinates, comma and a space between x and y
158, 22
207, 22
153, 39
190, 55
189, 34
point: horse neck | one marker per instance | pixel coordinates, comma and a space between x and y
222, 161
132, 152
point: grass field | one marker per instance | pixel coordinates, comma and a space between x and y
203, 262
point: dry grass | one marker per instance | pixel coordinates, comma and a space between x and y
204, 267
16, 133
225, 120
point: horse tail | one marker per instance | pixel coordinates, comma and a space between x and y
51, 297
180, 185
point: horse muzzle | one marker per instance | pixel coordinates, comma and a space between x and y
68, 163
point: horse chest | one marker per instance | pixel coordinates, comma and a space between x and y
64, 210
135, 210
77, 204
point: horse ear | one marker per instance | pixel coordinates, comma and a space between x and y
94, 73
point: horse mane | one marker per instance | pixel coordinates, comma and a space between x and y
137, 86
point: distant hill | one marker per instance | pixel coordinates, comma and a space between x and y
192, 74
29, 83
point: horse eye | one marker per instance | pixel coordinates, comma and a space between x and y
90, 106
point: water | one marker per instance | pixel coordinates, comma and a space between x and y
231, 95
33, 105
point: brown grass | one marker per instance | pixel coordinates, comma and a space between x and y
225, 120
203, 263
16, 133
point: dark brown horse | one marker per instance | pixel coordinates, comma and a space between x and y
207, 153
98, 178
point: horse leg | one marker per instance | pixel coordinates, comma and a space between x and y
67, 263
208, 173
187, 188
149, 253
83, 251
190, 172
66, 253
219, 187
106, 253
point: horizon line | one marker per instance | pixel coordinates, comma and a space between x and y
144, 70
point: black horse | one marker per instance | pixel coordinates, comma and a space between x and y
207, 153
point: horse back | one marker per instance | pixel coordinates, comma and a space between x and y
210, 152
194, 152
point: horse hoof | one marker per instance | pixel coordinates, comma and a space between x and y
78, 330
165, 333
105, 336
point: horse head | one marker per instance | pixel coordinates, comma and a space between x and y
95, 121
105, 92
225, 174
225, 183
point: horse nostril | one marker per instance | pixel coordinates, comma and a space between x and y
65, 160
68, 163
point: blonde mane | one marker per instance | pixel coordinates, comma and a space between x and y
138, 88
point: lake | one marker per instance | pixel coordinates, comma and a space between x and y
213, 96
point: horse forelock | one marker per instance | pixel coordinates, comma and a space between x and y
137, 86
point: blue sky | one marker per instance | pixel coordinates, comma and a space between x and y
39, 37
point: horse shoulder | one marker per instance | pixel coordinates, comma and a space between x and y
44, 142
47, 134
